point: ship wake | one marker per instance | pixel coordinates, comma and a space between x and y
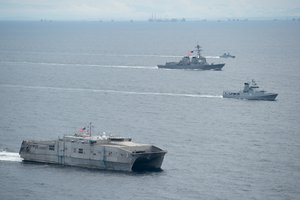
111, 91
10, 156
81, 65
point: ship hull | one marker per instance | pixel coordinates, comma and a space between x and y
227, 56
106, 158
263, 97
216, 67
148, 162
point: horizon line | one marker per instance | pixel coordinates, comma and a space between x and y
160, 20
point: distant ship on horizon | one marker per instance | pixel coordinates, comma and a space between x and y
227, 55
158, 19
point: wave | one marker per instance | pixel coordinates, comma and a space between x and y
113, 91
9, 156
84, 65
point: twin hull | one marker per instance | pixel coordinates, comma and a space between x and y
92, 155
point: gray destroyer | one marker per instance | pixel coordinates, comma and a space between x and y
197, 62
100, 152
251, 91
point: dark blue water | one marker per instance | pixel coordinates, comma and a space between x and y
56, 77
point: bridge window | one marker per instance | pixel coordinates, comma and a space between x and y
51, 147
80, 150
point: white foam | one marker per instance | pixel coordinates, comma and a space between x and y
138, 55
212, 56
94, 54
10, 156
82, 65
112, 91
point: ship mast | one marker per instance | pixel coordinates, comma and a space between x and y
198, 49
90, 129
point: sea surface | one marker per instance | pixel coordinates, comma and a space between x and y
56, 77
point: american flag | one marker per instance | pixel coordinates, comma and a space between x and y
190, 53
82, 129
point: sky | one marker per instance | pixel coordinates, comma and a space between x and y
145, 9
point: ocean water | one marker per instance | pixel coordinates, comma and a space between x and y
56, 77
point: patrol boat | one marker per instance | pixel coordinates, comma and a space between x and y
227, 55
197, 62
251, 92
101, 152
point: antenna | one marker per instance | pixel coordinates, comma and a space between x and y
90, 129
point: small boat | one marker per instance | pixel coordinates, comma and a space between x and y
227, 55
251, 91
101, 152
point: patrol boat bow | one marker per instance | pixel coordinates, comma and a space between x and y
100, 152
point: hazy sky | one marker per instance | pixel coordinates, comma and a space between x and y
144, 9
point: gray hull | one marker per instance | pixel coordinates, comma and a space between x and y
251, 91
111, 156
217, 67
265, 97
